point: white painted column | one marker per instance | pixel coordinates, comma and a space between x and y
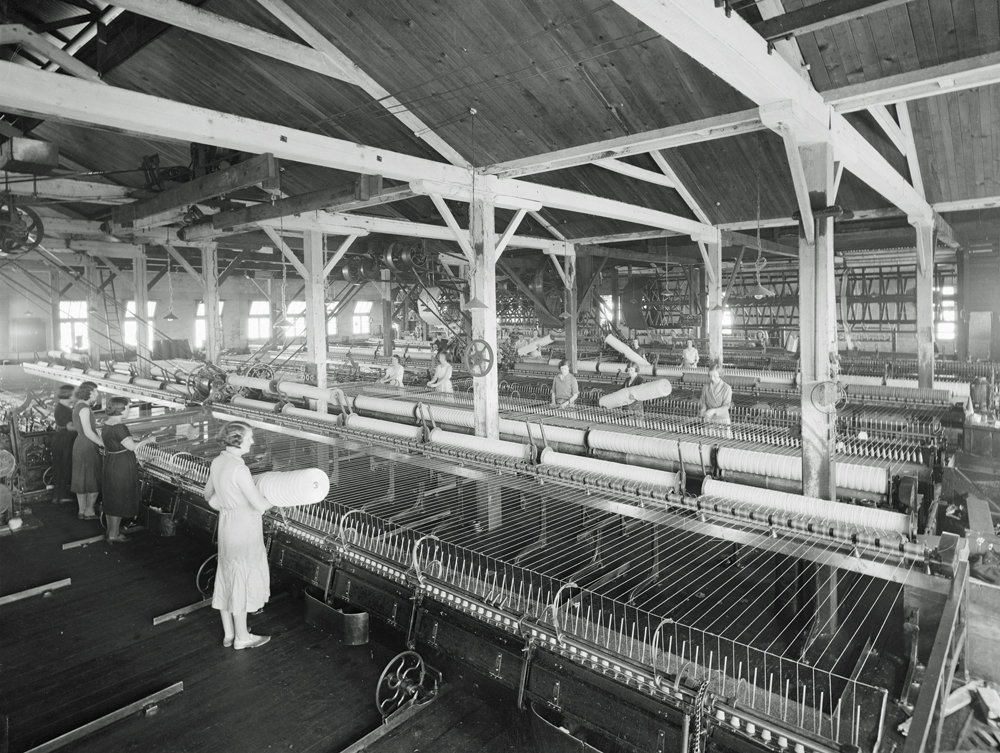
143, 347
312, 246
210, 276
482, 275
925, 305
713, 279
572, 306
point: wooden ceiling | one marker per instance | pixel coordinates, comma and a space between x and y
542, 75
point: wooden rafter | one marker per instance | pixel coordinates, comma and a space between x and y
820, 16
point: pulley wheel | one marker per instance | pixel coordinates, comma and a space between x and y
478, 358
828, 397
401, 684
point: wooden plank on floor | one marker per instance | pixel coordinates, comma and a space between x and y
28, 593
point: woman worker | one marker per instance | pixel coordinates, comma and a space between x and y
121, 487
716, 398
394, 374
442, 374
62, 445
242, 579
86, 480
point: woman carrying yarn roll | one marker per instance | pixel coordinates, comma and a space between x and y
121, 486
242, 579
442, 374
62, 445
86, 480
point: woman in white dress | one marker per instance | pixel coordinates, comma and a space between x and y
442, 374
242, 579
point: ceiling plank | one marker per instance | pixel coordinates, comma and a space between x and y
222, 29
315, 39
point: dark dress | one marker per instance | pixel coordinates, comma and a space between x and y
62, 452
86, 458
121, 488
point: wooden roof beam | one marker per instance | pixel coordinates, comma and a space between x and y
632, 171
732, 50
67, 189
960, 75
222, 29
65, 99
17, 34
733, 124
820, 16
663, 163
281, 10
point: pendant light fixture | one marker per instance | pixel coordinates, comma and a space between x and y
170, 316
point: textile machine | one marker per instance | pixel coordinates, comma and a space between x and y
656, 587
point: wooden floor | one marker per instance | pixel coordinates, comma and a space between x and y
91, 648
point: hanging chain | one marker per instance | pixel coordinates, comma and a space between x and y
170, 287
761, 261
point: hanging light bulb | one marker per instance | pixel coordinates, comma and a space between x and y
170, 316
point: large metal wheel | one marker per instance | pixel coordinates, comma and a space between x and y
478, 358
402, 684
21, 228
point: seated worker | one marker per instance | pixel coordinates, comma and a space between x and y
632, 379
716, 398
689, 357
394, 374
565, 390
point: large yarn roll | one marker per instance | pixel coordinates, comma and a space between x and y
854, 476
291, 488
625, 350
692, 453
866, 518
481, 444
403, 408
664, 479
647, 391
535, 344
391, 428
446, 415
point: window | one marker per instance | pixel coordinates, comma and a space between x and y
727, 322
607, 309
132, 324
331, 320
362, 320
295, 315
947, 315
73, 325
259, 323
200, 326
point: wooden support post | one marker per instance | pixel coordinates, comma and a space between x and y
386, 292
713, 276
616, 298
483, 284
312, 247
54, 298
572, 309
925, 305
143, 347
818, 340
96, 326
213, 327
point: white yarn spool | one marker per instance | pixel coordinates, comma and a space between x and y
403, 408
559, 434
865, 518
293, 488
651, 447
646, 391
863, 478
538, 342
481, 444
363, 423
608, 468
447, 416
625, 350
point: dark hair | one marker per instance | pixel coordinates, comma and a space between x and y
396, 356
563, 362
116, 405
84, 391
715, 366
233, 433
65, 391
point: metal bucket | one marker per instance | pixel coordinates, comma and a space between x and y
346, 622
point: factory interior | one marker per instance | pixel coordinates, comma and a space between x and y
624, 375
